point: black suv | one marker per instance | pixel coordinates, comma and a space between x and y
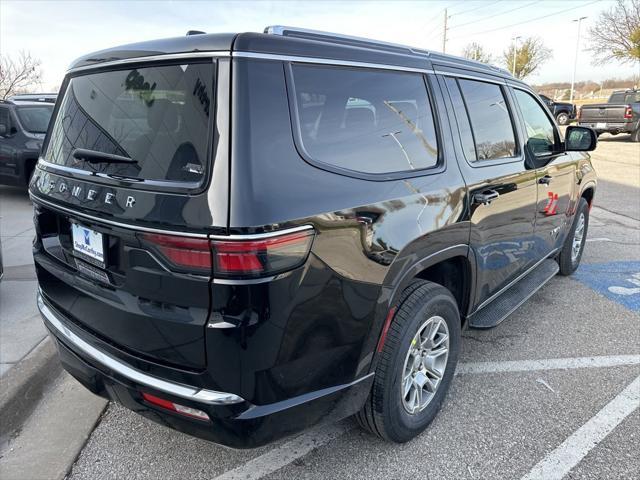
243, 235
23, 125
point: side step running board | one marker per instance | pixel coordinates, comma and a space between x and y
516, 295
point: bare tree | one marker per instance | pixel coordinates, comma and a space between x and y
529, 57
18, 74
616, 34
475, 51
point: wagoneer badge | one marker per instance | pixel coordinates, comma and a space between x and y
48, 185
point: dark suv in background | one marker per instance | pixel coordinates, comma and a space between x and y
243, 235
23, 125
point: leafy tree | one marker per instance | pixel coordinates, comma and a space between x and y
616, 34
529, 57
475, 51
18, 74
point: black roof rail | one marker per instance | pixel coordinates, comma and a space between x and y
195, 32
342, 39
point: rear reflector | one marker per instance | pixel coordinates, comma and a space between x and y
385, 329
255, 258
175, 407
184, 252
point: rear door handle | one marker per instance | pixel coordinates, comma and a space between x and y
546, 180
486, 197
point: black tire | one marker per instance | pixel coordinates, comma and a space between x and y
635, 135
384, 413
562, 118
568, 263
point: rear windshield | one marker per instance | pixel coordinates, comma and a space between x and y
625, 97
158, 116
35, 119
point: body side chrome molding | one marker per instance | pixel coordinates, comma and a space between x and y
152, 58
129, 226
196, 394
254, 236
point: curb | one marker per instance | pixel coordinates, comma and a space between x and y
24, 386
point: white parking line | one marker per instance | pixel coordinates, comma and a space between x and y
548, 364
299, 446
286, 453
598, 239
561, 460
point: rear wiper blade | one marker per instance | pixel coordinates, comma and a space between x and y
93, 156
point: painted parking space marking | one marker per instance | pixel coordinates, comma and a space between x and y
569, 453
547, 364
299, 446
618, 281
286, 453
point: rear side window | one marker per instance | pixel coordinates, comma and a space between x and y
5, 119
158, 116
363, 120
462, 119
490, 119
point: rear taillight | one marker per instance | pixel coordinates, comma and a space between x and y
262, 256
579, 115
182, 252
175, 407
628, 112
237, 258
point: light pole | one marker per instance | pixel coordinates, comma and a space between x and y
515, 51
575, 59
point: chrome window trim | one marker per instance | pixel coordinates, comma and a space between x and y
87, 173
152, 58
328, 61
210, 397
497, 81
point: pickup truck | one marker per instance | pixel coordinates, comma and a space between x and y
562, 111
621, 114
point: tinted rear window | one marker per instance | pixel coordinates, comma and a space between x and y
490, 119
159, 116
365, 120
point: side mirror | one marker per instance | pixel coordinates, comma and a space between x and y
580, 139
3, 129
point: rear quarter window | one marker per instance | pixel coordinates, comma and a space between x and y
364, 120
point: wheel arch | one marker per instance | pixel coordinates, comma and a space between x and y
435, 267
588, 193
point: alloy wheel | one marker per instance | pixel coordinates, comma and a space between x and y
425, 364
578, 237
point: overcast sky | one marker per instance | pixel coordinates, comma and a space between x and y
59, 31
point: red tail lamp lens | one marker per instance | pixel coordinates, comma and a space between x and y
185, 252
261, 257
628, 112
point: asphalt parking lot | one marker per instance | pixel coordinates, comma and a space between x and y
552, 392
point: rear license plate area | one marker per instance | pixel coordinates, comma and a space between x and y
88, 245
